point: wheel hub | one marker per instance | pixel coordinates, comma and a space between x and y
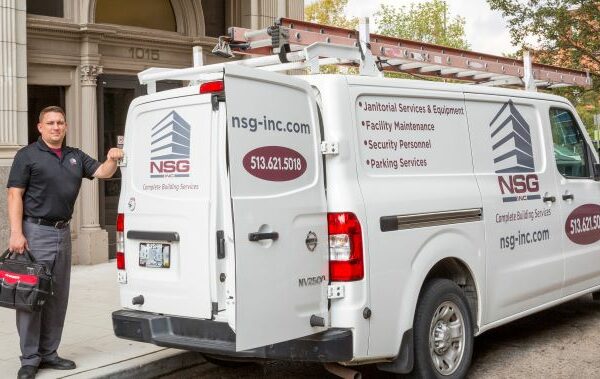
441, 337
447, 338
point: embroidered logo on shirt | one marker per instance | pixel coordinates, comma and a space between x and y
73, 161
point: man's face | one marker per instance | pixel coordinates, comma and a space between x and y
53, 129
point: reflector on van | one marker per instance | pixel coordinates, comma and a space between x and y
120, 241
211, 87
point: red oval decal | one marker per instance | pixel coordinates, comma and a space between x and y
583, 224
275, 163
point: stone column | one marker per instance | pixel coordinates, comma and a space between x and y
13, 77
93, 241
13, 94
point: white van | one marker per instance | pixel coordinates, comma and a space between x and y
350, 219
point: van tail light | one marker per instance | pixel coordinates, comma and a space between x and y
212, 87
345, 247
120, 241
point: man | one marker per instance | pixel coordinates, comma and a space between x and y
42, 187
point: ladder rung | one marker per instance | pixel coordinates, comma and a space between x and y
450, 71
465, 74
412, 66
484, 76
427, 69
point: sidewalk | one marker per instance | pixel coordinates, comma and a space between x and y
88, 337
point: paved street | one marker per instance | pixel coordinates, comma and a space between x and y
562, 342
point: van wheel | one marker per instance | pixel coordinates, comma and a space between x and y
229, 362
443, 330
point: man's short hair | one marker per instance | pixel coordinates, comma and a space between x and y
52, 108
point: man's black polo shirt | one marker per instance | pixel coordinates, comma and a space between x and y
51, 184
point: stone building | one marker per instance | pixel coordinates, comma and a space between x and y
84, 55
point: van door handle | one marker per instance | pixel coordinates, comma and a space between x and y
551, 199
263, 236
569, 196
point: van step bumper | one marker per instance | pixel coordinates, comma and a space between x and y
206, 336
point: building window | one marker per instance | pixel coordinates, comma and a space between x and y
38, 98
214, 17
151, 14
54, 8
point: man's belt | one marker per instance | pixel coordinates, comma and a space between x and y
41, 221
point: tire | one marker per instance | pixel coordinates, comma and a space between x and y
229, 362
443, 330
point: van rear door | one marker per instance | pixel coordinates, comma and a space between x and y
279, 207
169, 204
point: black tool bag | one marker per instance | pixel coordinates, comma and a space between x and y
24, 284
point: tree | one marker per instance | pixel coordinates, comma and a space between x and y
329, 12
587, 104
567, 31
426, 22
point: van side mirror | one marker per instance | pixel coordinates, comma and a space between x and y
596, 167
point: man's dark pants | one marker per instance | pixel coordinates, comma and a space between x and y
40, 332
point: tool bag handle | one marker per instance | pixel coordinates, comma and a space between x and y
8, 254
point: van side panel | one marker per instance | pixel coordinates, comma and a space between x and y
514, 169
422, 201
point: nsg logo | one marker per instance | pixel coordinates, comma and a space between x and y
513, 155
170, 147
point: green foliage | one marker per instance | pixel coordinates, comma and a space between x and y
587, 104
428, 22
329, 12
567, 34
568, 31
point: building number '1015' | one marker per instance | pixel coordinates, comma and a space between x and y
141, 53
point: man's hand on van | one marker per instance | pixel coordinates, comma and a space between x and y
115, 154
109, 167
17, 243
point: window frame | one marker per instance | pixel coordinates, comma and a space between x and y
588, 156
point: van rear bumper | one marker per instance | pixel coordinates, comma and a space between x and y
206, 336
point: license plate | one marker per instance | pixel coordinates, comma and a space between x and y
155, 255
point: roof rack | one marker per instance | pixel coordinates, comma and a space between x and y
293, 44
